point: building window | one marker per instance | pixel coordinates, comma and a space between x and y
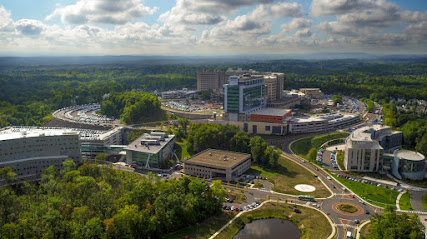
267, 128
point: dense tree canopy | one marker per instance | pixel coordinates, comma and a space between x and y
100, 202
132, 107
228, 137
392, 226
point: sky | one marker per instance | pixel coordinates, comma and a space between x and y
211, 27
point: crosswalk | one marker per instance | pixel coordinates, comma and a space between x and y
346, 226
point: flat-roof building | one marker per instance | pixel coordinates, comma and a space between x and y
364, 148
271, 115
321, 122
313, 93
150, 150
408, 164
30, 150
218, 164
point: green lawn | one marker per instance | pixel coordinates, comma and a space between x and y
183, 150
340, 159
289, 174
302, 147
370, 192
405, 202
312, 222
204, 229
424, 201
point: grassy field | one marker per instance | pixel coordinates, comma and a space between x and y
424, 201
302, 147
183, 150
372, 193
311, 222
405, 202
289, 174
204, 229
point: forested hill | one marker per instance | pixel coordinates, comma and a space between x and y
28, 94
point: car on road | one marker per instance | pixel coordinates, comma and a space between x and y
356, 221
367, 212
328, 177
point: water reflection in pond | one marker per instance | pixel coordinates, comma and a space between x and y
272, 228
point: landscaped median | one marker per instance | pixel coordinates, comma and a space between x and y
379, 196
312, 223
424, 201
287, 175
405, 202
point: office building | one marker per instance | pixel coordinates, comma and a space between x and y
214, 80
275, 83
150, 150
364, 148
313, 93
244, 94
218, 164
30, 150
409, 165
94, 142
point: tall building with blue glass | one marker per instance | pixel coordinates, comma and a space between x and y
243, 95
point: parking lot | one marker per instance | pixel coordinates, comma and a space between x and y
84, 114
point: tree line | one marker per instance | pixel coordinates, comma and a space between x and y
99, 202
131, 107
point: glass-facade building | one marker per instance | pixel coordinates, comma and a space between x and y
244, 94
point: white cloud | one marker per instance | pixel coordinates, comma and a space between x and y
296, 23
382, 15
6, 23
337, 7
287, 9
102, 11
243, 30
306, 32
29, 27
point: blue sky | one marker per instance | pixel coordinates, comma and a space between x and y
98, 27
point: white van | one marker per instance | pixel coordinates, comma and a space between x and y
349, 236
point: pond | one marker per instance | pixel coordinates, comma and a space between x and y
272, 228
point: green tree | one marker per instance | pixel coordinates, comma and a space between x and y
258, 147
7, 174
240, 142
391, 225
69, 165
312, 154
184, 123
101, 157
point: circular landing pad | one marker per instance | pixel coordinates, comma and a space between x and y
304, 188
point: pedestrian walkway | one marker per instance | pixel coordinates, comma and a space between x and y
398, 200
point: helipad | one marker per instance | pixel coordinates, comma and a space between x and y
305, 188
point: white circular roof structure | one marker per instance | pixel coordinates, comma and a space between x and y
409, 155
304, 188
